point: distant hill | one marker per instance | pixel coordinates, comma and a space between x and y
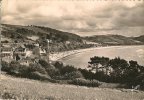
112, 40
140, 38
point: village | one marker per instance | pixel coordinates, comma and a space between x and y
24, 53
30, 52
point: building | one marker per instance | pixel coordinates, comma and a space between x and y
6, 54
21, 53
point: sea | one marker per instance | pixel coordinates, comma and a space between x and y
80, 60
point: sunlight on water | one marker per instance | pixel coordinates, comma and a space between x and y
140, 53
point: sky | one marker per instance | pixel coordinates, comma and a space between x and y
82, 17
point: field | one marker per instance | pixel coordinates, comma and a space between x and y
31, 89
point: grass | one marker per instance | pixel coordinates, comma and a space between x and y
32, 89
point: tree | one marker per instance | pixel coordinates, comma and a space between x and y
132, 72
118, 63
119, 66
96, 61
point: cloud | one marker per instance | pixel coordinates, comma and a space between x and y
80, 17
130, 17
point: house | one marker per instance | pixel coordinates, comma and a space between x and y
19, 53
20, 50
27, 61
6, 53
42, 51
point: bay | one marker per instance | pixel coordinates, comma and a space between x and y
80, 60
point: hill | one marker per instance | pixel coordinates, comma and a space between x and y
18, 31
140, 38
60, 41
17, 88
113, 40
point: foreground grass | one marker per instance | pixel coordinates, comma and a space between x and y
18, 88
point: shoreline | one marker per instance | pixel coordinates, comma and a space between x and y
60, 55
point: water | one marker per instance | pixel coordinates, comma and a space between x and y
81, 60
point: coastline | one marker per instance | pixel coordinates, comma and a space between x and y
60, 55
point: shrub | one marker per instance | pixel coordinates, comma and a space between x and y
39, 76
87, 74
68, 69
58, 65
37, 67
46, 65
5, 66
14, 68
84, 82
53, 72
73, 75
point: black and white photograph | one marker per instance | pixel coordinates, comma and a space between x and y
71, 49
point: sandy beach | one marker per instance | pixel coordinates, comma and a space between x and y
59, 55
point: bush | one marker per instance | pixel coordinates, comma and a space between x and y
45, 64
53, 72
84, 82
68, 69
14, 68
58, 65
39, 76
73, 75
5, 66
37, 67
87, 74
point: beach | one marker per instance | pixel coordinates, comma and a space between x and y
80, 58
59, 55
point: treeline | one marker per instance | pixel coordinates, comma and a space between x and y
116, 70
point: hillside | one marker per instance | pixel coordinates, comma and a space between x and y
17, 31
60, 41
140, 38
112, 40
17, 88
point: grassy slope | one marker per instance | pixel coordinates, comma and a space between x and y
39, 90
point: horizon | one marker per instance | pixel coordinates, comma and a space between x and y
84, 18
